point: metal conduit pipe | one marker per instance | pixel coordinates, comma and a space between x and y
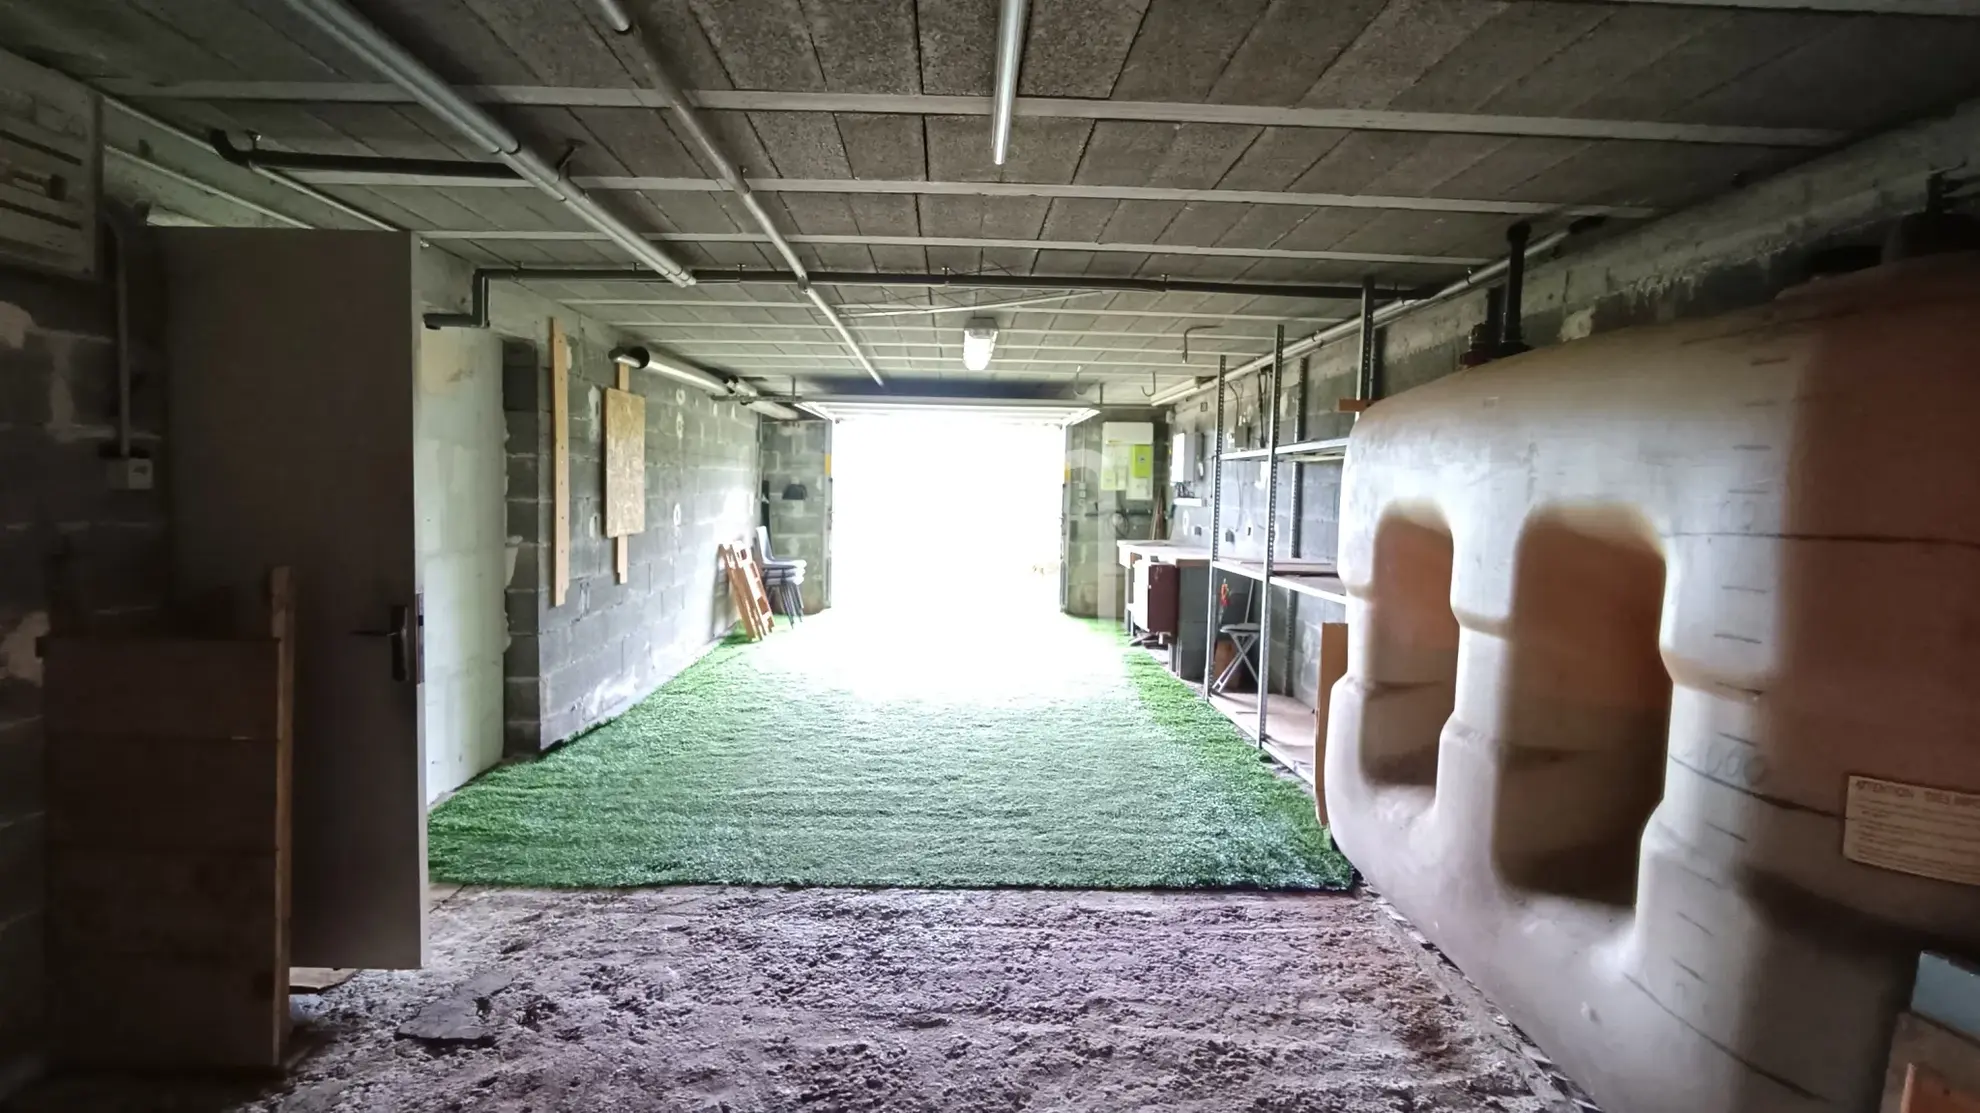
639, 358
391, 60
1537, 249
477, 314
1010, 55
690, 120
642, 359
256, 158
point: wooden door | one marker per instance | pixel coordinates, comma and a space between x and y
292, 394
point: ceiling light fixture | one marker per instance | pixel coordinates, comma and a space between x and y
979, 340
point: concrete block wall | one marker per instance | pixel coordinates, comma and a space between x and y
800, 452
73, 552
569, 668
1739, 250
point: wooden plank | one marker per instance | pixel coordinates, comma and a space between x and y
1926, 1092
282, 627
162, 1011
752, 604
560, 464
168, 851
1950, 1056
213, 906
317, 979
125, 790
625, 470
1333, 666
161, 687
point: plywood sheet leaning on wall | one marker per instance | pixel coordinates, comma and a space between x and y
168, 845
625, 469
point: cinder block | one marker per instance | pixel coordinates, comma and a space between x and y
522, 737
522, 698
523, 427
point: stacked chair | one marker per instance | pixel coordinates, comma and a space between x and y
783, 580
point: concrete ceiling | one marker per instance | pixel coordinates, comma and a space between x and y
1263, 140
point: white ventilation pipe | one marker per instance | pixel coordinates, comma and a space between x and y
377, 50
1010, 56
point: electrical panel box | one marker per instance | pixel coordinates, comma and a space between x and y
51, 169
1182, 458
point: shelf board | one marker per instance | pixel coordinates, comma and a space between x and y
1333, 448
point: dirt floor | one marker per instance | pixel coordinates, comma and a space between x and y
711, 999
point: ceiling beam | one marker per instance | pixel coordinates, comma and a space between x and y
1960, 8
1176, 112
869, 322
1172, 348
742, 364
784, 326
494, 235
861, 187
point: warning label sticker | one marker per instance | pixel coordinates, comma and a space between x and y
1930, 832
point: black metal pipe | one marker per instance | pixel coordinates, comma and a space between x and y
254, 158
477, 314
1511, 342
1068, 282
1364, 367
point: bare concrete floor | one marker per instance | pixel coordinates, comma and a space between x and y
710, 999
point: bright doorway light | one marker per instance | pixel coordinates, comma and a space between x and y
945, 518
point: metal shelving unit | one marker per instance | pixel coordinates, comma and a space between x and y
1299, 452
1329, 450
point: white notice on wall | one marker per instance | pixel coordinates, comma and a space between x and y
1930, 832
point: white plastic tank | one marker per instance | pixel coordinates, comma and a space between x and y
1662, 712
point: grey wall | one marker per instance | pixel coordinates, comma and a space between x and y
459, 478
571, 667
801, 529
1094, 584
1737, 251
71, 546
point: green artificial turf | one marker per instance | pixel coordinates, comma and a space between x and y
848, 752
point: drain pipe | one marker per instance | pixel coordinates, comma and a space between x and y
356, 34
690, 121
1511, 339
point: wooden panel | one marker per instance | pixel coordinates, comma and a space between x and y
560, 465
159, 1011
1950, 1057
1926, 1092
168, 852
625, 463
164, 688
135, 900
1333, 666
125, 790
625, 472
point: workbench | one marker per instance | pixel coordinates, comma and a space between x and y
1192, 564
